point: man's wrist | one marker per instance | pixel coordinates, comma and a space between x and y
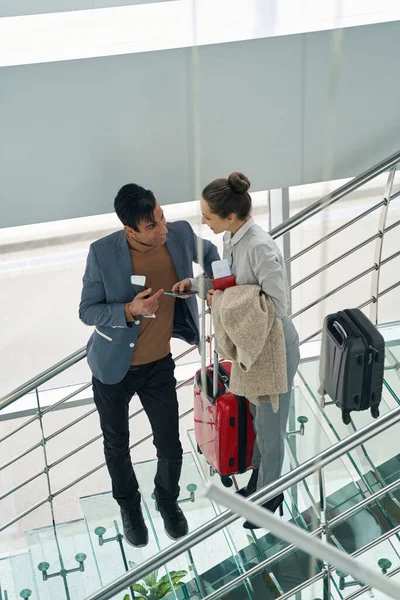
130, 318
133, 315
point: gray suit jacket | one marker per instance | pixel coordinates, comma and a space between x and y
107, 288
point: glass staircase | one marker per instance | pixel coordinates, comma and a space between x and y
96, 538
354, 503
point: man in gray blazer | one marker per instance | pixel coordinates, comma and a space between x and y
129, 351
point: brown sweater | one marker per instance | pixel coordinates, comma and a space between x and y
154, 341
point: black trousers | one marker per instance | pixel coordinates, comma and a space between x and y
155, 385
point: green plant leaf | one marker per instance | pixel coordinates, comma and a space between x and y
163, 579
176, 576
163, 590
140, 589
151, 579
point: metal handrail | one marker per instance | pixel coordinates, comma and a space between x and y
268, 562
336, 195
44, 411
226, 518
35, 382
282, 554
50, 373
334, 261
366, 588
327, 553
276, 232
340, 287
82, 477
334, 232
360, 306
63, 400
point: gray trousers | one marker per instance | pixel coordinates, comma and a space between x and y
270, 427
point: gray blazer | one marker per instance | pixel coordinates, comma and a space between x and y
107, 288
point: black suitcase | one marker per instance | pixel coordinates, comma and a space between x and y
352, 362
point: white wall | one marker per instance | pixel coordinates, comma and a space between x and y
73, 132
13, 8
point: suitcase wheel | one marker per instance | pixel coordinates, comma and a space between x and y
226, 481
346, 417
375, 412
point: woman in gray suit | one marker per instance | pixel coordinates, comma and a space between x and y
256, 260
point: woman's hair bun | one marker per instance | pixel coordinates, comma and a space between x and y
238, 183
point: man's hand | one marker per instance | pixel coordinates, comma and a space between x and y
142, 305
209, 298
182, 286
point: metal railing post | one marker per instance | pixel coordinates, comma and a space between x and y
374, 316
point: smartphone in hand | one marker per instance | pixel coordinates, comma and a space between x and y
179, 294
138, 284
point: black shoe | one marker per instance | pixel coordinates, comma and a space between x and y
175, 523
251, 487
271, 505
135, 530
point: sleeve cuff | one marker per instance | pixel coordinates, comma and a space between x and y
244, 359
201, 286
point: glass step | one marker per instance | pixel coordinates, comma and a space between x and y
342, 493
302, 447
382, 558
213, 560
365, 459
255, 546
113, 555
344, 484
373, 520
201, 564
67, 547
16, 577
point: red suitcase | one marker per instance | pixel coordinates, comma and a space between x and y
223, 425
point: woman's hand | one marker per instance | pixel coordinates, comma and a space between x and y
182, 286
209, 298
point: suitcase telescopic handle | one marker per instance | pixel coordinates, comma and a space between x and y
205, 375
215, 362
340, 330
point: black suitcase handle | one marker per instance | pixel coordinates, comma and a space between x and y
338, 332
223, 377
209, 386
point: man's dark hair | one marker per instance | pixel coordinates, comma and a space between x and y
133, 204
